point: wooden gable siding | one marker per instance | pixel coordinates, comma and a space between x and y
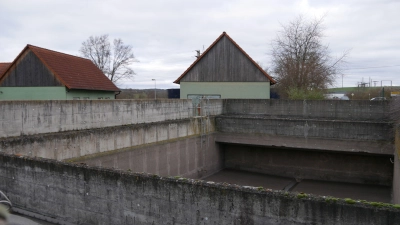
29, 71
224, 63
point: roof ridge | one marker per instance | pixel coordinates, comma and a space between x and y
29, 45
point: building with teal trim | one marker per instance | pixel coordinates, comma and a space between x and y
43, 74
225, 70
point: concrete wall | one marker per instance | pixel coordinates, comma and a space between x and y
313, 109
306, 128
76, 194
315, 165
396, 168
322, 144
191, 157
37, 117
232, 90
73, 144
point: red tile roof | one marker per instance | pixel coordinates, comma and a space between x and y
177, 81
72, 71
3, 67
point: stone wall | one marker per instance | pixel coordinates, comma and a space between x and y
76, 194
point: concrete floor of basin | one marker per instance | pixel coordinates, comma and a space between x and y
374, 193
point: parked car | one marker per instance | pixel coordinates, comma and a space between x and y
378, 99
344, 98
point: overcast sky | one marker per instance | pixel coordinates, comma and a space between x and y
164, 34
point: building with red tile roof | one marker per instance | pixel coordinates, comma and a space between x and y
41, 74
4, 66
225, 70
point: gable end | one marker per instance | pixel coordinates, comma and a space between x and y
29, 71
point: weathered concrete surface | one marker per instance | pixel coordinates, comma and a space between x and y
72, 144
315, 165
306, 128
191, 157
83, 195
396, 180
37, 117
313, 109
336, 145
375, 193
396, 167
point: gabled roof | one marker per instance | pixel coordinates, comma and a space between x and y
72, 71
3, 67
224, 34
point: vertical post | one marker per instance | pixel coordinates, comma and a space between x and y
342, 80
155, 88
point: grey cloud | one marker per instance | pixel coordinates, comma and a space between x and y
164, 34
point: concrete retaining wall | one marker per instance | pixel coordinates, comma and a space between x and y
396, 168
315, 165
72, 144
75, 194
37, 117
326, 109
338, 129
191, 157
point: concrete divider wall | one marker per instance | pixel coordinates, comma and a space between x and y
76, 194
36, 117
191, 157
72, 144
306, 128
314, 165
327, 109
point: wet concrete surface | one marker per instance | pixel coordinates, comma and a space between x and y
374, 193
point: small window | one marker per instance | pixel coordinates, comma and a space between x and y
86, 98
100, 98
76, 98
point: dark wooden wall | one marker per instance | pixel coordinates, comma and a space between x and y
224, 63
29, 72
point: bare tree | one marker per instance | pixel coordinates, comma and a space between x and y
113, 60
299, 59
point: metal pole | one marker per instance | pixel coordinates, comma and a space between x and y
342, 80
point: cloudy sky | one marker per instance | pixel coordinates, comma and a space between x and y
164, 34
